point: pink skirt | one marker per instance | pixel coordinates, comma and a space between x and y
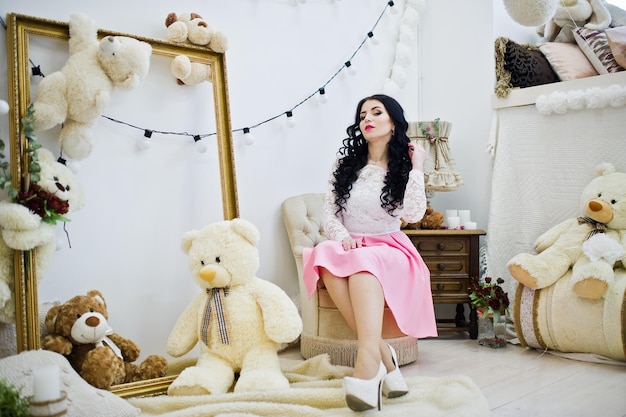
393, 259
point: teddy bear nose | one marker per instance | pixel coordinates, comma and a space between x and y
595, 206
207, 274
92, 321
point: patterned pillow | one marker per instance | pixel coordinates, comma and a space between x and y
617, 42
521, 66
596, 47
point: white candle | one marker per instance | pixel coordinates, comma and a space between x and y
46, 383
452, 213
454, 222
470, 225
464, 215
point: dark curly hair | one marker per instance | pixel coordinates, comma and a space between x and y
353, 157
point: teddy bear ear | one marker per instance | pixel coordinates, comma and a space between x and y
51, 317
247, 230
187, 240
171, 18
97, 295
604, 168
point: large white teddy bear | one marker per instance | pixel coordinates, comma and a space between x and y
592, 245
76, 95
24, 228
239, 320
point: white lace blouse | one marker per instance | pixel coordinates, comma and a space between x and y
363, 214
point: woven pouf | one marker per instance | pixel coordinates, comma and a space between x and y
556, 318
343, 351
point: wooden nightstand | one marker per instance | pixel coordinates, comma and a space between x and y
452, 256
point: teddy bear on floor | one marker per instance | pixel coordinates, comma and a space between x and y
592, 245
30, 224
76, 95
79, 330
570, 14
239, 320
191, 28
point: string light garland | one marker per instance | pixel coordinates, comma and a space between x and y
396, 79
322, 90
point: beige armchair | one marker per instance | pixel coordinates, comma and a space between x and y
325, 330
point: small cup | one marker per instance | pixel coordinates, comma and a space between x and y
454, 222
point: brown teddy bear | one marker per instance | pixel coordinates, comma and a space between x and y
79, 330
432, 220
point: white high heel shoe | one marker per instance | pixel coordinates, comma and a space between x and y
365, 394
394, 384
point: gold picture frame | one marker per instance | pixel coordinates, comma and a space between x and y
20, 29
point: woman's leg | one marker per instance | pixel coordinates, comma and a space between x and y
340, 294
368, 305
361, 292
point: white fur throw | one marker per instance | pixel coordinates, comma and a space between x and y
82, 398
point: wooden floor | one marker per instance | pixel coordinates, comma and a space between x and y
520, 382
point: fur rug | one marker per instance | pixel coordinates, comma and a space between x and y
316, 390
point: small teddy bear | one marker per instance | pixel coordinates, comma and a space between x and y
79, 330
239, 320
431, 220
193, 29
591, 245
77, 94
29, 226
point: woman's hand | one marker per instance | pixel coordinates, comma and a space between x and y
418, 156
349, 243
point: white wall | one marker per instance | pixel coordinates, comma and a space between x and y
457, 79
280, 52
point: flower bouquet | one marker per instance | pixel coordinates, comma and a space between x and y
491, 303
46, 205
